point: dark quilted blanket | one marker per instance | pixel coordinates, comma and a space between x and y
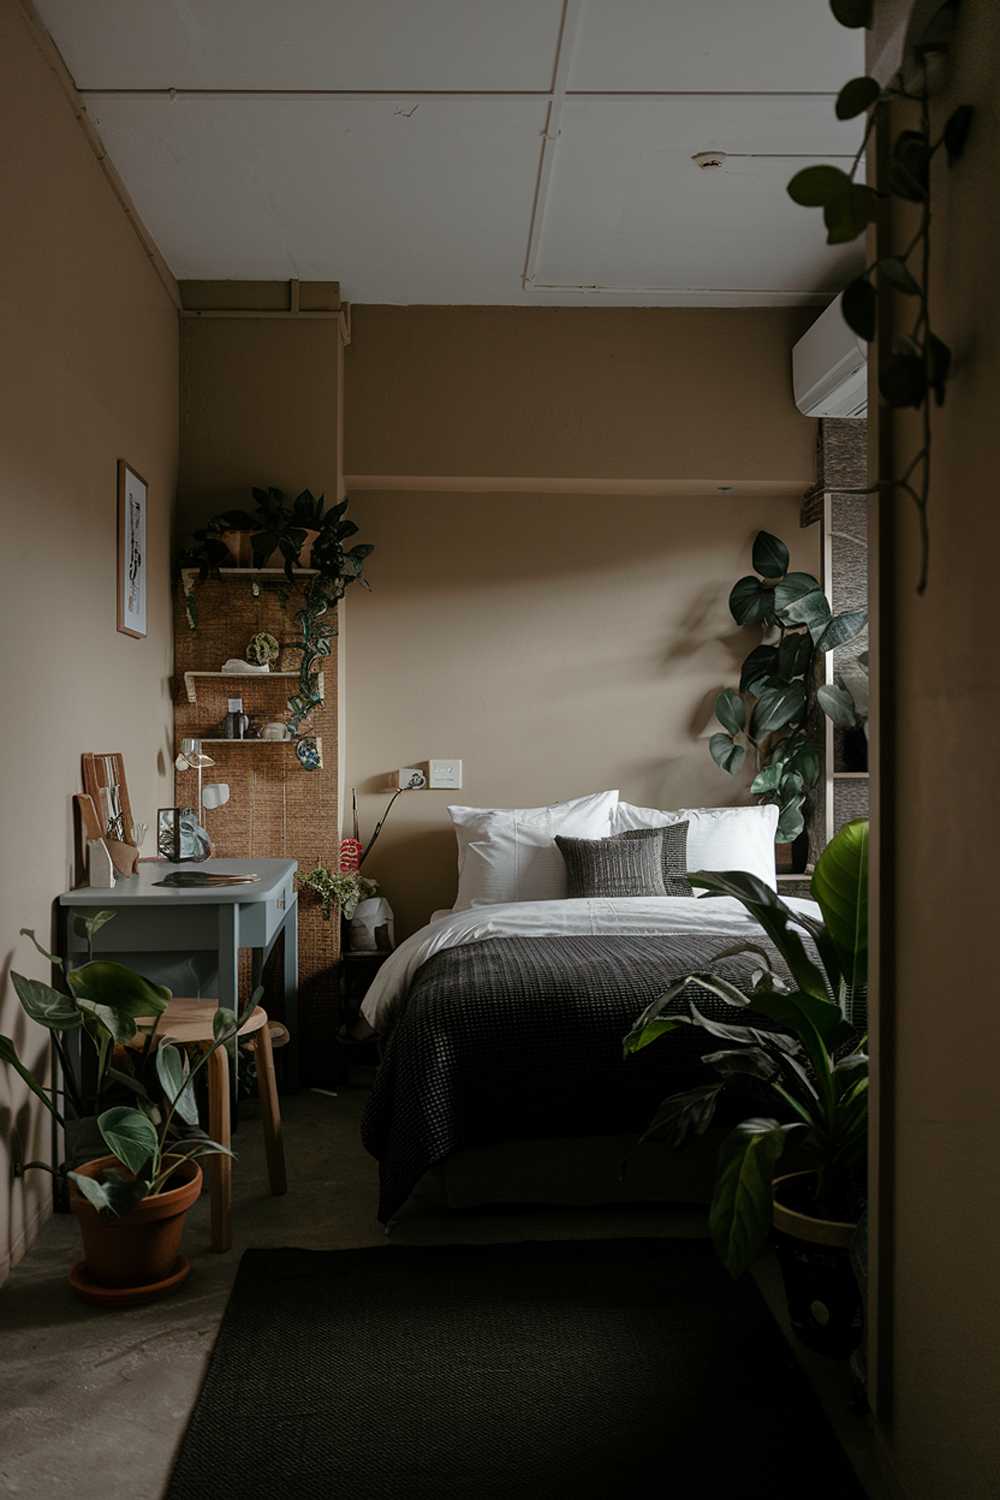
522, 1037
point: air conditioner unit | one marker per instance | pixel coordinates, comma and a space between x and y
830, 368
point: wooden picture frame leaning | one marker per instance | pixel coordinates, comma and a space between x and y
104, 781
130, 567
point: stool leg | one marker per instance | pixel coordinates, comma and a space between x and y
267, 1090
220, 1168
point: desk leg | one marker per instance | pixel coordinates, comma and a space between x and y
290, 939
229, 956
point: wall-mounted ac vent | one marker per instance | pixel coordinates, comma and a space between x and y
830, 368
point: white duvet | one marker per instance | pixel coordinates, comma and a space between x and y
718, 916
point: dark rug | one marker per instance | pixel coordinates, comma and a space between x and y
569, 1368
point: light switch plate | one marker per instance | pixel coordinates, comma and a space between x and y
446, 775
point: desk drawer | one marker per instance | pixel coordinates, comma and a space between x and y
276, 908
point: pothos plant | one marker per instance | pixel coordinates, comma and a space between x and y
918, 365
773, 712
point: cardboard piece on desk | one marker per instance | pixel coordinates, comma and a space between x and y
100, 870
89, 821
124, 857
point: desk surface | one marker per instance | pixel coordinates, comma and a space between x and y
141, 888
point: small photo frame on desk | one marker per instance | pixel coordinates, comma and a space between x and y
132, 568
168, 833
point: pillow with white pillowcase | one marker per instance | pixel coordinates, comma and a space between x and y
510, 853
719, 838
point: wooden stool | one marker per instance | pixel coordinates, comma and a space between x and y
189, 1023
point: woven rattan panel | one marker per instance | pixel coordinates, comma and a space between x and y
276, 809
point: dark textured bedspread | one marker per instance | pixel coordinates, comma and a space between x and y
522, 1037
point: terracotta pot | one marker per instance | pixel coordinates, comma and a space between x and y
141, 1247
824, 1301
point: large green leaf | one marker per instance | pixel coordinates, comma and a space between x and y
767, 780
118, 988
129, 1135
750, 603
778, 706
740, 1216
172, 1069
842, 628
777, 920
837, 703
770, 555
859, 307
121, 1027
849, 214
793, 586
684, 1114
791, 822
806, 762
853, 13
753, 1062
730, 710
760, 664
840, 888
814, 187
45, 1005
726, 753
8, 1055
856, 96
811, 610
795, 654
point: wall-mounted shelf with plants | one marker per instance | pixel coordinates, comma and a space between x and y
297, 547
191, 680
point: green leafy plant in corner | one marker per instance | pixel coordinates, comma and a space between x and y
814, 1066
772, 713
918, 366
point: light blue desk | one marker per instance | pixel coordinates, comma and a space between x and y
190, 940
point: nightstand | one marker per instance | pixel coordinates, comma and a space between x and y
796, 885
355, 972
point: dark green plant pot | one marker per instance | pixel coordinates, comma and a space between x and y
824, 1302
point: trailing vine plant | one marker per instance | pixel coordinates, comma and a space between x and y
918, 366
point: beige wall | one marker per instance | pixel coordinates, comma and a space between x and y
627, 393
557, 643
943, 1426
89, 341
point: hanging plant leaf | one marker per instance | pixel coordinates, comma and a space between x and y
853, 13
767, 780
806, 762
814, 187
795, 654
750, 603
902, 380
842, 628
849, 214
837, 703
909, 169
940, 362
778, 706
761, 662
726, 753
855, 97
770, 555
792, 587
730, 710
898, 276
859, 306
956, 132
811, 610
791, 823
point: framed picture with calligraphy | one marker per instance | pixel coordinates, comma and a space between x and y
133, 573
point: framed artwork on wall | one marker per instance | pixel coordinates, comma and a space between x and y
132, 568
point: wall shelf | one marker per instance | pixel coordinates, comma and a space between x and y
851, 775
191, 681
193, 574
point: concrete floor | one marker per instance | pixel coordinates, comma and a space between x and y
93, 1404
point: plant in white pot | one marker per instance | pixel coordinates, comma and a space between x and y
815, 1070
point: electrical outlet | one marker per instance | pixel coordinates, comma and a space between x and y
410, 778
445, 774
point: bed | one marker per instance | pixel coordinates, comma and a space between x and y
504, 1023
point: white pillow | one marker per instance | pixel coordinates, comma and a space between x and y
719, 838
510, 854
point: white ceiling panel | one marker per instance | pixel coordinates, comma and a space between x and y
403, 200
627, 208
307, 44
650, 46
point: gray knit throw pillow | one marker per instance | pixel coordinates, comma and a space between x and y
622, 865
675, 845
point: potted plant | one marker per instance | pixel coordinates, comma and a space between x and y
132, 1201
814, 1069
100, 1001
343, 890
773, 712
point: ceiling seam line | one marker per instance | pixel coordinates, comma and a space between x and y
568, 28
170, 92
